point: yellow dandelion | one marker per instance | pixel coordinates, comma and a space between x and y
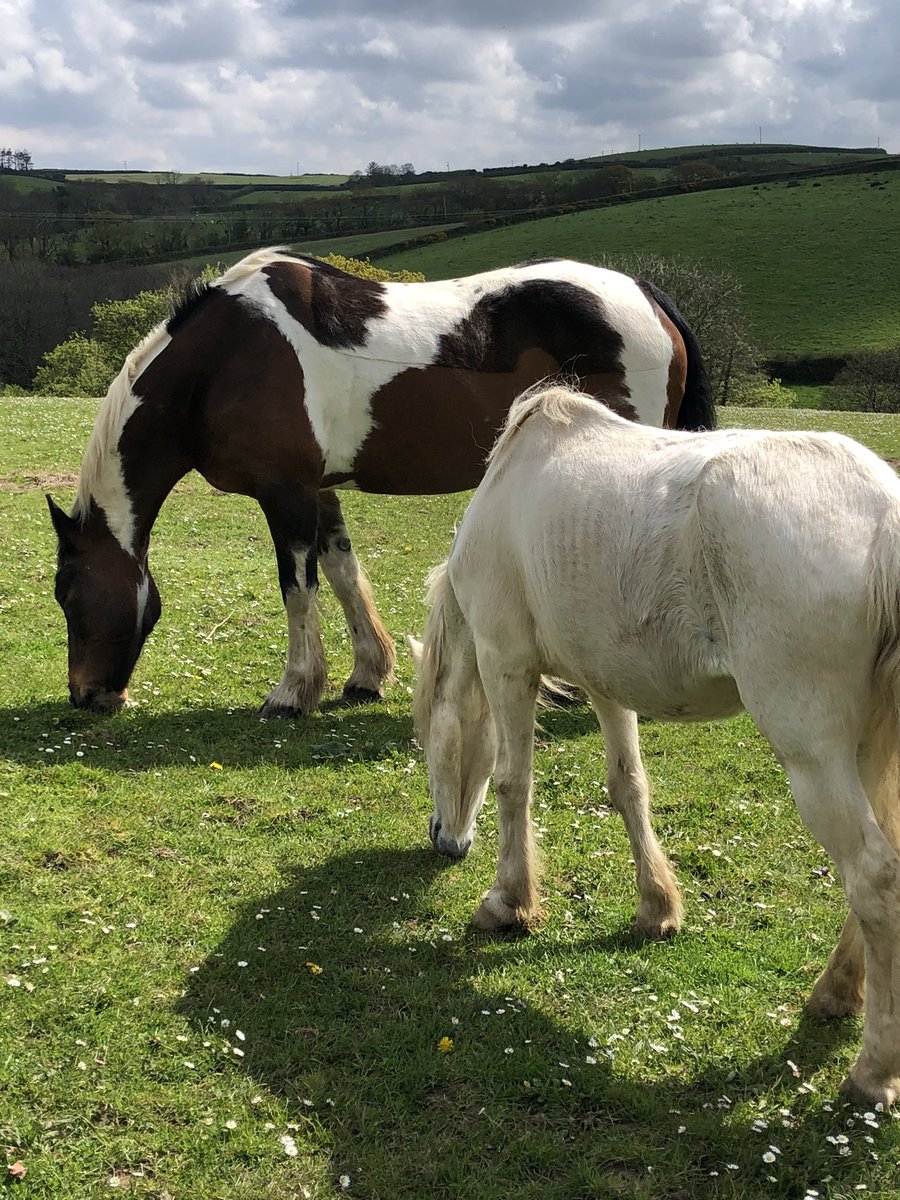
314, 968
445, 1045
216, 766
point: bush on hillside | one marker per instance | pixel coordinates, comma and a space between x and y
79, 366
364, 269
758, 391
870, 382
83, 366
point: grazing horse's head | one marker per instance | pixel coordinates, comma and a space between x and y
110, 603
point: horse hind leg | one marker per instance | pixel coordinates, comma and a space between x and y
834, 806
373, 649
841, 988
659, 907
292, 516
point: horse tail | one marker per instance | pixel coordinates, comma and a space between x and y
880, 758
697, 410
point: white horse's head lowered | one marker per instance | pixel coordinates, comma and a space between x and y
452, 720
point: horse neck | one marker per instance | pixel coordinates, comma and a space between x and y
130, 468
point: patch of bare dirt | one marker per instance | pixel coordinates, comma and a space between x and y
30, 480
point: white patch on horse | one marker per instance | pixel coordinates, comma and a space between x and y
337, 387
143, 595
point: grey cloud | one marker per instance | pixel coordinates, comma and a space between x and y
510, 15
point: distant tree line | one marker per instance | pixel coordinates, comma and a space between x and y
14, 160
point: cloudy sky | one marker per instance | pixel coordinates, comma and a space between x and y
270, 85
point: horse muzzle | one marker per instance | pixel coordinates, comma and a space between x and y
446, 845
97, 699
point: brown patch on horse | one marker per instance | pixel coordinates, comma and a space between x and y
233, 358
561, 318
415, 449
330, 305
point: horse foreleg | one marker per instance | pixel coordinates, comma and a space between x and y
373, 650
513, 898
293, 518
659, 908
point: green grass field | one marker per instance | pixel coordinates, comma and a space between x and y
229, 956
819, 265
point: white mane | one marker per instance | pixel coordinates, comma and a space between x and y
254, 262
101, 470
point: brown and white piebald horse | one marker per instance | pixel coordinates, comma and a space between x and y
286, 379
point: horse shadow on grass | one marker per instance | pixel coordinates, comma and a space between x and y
140, 738
332, 982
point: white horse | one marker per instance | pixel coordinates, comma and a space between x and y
684, 576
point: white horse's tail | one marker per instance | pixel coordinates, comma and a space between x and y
880, 761
884, 602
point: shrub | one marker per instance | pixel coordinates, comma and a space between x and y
756, 391
84, 366
870, 382
710, 301
78, 367
364, 269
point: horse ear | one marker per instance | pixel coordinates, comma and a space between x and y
62, 522
416, 648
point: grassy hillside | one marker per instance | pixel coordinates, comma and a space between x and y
819, 260
767, 152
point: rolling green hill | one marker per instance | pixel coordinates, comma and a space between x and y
819, 260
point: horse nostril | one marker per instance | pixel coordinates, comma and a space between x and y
451, 847
434, 828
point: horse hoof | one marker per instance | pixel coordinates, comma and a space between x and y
658, 929
354, 696
494, 915
271, 710
828, 1005
862, 1087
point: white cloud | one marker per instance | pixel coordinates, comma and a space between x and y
245, 85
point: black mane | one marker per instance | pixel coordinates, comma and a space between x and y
193, 297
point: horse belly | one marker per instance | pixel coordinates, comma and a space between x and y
654, 685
